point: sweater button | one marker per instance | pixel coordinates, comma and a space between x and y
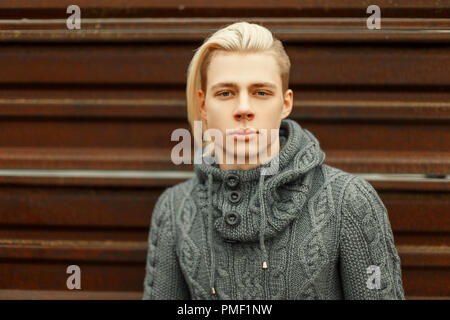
232, 218
232, 180
234, 197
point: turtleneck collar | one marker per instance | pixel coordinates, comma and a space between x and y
275, 197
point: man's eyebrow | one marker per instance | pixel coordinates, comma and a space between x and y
264, 84
252, 85
224, 84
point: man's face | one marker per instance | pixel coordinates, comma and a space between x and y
244, 91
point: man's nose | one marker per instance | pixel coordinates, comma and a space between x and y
244, 112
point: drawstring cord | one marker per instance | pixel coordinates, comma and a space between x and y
210, 230
263, 222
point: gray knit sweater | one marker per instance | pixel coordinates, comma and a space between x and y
306, 231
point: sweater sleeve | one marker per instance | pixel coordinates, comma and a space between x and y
163, 277
369, 264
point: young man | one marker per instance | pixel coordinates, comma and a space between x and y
242, 230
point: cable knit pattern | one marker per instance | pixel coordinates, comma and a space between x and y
162, 269
366, 239
306, 231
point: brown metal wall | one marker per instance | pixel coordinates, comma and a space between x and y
108, 96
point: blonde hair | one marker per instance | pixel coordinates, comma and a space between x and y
237, 37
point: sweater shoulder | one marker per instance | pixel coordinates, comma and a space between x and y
361, 203
172, 196
342, 179
358, 190
181, 198
347, 189
182, 189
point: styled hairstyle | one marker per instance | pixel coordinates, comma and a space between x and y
237, 37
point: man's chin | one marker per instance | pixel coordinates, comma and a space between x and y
242, 158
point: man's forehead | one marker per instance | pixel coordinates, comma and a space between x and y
234, 84
253, 71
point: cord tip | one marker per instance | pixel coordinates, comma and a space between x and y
264, 266
213, 292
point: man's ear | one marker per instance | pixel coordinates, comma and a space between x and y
201, 99
288, 102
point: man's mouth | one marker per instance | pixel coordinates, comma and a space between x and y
244, 134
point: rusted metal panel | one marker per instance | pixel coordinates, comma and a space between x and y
109, 96
73, 250
223, 8
12, 294
157, 64
51, 275
15, 294
424, 281
287, 29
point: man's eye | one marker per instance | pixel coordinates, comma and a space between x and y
221, 93
265, 93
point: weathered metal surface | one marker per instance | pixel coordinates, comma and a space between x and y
107, 97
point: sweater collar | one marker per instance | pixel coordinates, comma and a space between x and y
276, 198
283, 196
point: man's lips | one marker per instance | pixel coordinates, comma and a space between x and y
243, 134
247, 131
